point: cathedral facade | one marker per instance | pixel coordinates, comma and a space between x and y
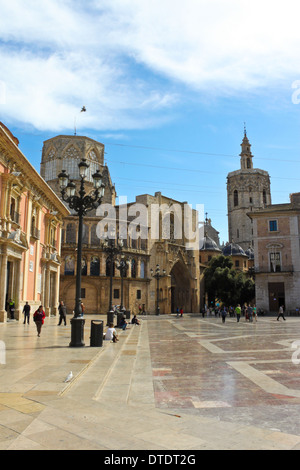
156, 240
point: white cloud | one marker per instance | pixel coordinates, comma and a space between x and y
111, 56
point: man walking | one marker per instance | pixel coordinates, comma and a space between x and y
26, 311
280, 313
250, 313
62, 310
238, 312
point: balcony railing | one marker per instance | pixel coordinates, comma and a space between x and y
278, 269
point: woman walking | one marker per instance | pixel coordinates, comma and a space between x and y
38, 317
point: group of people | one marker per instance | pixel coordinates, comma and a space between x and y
39, 314
111, 333
248, 311
179, 312
39, 317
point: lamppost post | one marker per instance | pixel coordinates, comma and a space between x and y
112, 245
123, 266
81, 204
157, 275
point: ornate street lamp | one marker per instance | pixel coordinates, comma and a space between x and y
122, 267
112, 245
81, 204
157, 275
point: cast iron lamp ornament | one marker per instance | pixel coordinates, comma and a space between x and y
157, 275
81, 204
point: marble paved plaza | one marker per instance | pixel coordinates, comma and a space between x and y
188, 383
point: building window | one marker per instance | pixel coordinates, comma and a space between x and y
95, 266
116, 293
133, 268
108, 263
264, 197
235, 198
69, 265
142, 271
275, 263
138, 294
71, 233
273, 226
82, 293
237, 263
83, 267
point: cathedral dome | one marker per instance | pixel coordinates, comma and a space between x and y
250, 253
208, 244
233, 249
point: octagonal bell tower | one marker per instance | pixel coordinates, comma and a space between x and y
248, 189
64, 152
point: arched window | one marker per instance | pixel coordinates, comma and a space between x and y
108, 267
133, 268
235, 198
95, 266
264, 197
83, 267
248, 163
142, 275
71, 233
69, 265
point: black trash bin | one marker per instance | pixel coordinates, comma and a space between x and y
119, 318
96, 333
127, 314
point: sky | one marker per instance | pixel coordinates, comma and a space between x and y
167, 86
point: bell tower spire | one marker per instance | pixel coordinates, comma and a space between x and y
246, 155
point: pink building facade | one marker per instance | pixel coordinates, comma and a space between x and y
31, 218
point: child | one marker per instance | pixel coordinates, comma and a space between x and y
111, 334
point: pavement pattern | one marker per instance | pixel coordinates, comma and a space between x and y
170, 384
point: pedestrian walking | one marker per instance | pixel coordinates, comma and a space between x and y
39, 317
250, 313
254, 313
280, 313
223, 314
177, 312
238, 312
26, 311
181, 312
62, 310
82, 309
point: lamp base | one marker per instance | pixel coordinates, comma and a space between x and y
77, 332
110, 317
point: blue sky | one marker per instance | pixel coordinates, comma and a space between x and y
167, 85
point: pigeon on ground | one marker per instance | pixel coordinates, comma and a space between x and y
69, 377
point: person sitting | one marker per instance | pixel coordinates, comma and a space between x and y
135, 320
111, 334
123, 323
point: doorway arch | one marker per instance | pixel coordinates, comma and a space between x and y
180, 288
